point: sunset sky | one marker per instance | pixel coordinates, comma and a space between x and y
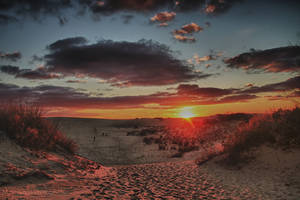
150, 58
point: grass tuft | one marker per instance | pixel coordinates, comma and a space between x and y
24, 124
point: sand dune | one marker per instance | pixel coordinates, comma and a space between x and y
26, 174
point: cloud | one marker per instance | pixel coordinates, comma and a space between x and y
58, 96
142, 63
213, 55
189, 29
163, 16
183, 38
6, 19
217, 7
34, 9
37, 10
67, 43
288, 85
186, 29
127, 18
282, 59
36, 58
208, 24
14, 56
186, 89
39, 73
237, 98
199, 60
62, 20
164, 24
210, 8
75, 81
111, 6
9, 69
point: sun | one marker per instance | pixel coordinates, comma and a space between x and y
186, 112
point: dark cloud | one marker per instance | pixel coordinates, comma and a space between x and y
9, 69
34, 6
39, 73
208, 24
143, 63
185, 89
37, 9
282, 59
67, 43
14, 56
127, 18
57, 96
62, 20
111, 6
216, 7
288, 85
36, 58
75, 81
6, 19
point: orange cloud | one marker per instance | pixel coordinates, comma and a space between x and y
163, 16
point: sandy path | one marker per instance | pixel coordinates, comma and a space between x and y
178, 180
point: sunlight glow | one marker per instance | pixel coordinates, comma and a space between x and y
186, 112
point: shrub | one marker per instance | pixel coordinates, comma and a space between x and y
148, 140
24, 124
281, 128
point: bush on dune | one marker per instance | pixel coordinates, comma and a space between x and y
24, 124
281, 128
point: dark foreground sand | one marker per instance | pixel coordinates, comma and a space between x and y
177, 180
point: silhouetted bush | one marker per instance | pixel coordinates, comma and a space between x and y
281, 128
24, 124
143, 132
128, 124
148, 140
177, 155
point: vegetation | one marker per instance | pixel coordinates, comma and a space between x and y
24, 124
281, 129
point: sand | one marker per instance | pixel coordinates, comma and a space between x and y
25, 174
177, 180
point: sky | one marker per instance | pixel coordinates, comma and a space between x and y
120, 59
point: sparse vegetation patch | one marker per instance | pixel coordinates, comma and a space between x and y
24, 124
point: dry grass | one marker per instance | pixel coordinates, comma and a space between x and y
24, 124
279, 129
